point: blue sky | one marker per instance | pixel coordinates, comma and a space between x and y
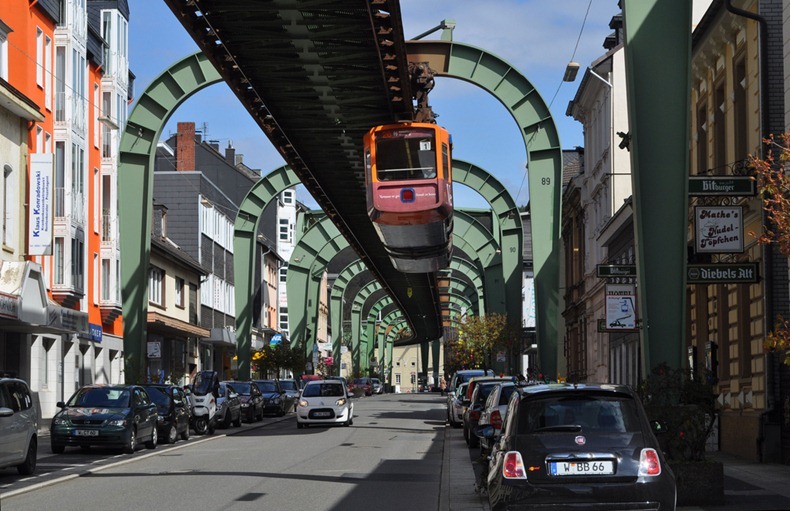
538, 37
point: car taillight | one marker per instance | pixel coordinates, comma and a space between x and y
649, 464
513, 467
474, 415
496, 419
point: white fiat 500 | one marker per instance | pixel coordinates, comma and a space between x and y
324, 402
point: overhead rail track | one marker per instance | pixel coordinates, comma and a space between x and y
302, 69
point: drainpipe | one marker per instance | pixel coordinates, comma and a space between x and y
768, 319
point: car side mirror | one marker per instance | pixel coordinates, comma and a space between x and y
6, 412
484, 431
233, 395
61, 404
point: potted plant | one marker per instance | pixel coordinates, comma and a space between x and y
685, 405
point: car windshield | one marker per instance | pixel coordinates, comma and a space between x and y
611, 414
361, 381
101, 398
267, 387
243, 387
323, 390
158, 395
287, 385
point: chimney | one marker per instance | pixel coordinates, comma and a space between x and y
230, 154
159, 220
185, 144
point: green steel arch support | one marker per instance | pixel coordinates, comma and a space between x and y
354, 269
510, 233
311, 255
482, 243
135, 177
244, 242
364, 343
544, 154
466, 268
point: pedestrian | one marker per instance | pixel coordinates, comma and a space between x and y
442, 385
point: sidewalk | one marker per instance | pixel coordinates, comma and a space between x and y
458, 477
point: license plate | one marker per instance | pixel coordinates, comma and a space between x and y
581, 468
322, 414
86, 432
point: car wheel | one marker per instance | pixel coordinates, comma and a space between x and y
227, 420
131, 444
28, 466
237, 422
281, 412
201, 425
299, 425
151, 444
259, 417
185, 433
57, 448
172, 434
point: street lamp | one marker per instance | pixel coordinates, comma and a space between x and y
571, 70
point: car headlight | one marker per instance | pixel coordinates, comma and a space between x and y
341, 401
60, 421
245, 405
160, 419
302, 402
117, 422
276, 400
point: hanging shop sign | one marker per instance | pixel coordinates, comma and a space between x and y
154, 349
721, 185
736, 273
615, 270
620, 307
41, 203
718, 229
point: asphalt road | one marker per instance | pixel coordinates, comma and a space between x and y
390, 458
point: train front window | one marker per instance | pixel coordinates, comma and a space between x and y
402, 158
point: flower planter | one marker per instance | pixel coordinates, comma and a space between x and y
699, 482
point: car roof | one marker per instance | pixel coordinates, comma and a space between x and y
312, 382
547, 388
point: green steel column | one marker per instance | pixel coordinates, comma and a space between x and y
136, 178
657, 57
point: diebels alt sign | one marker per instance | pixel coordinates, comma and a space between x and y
736, 273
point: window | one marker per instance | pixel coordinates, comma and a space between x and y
284, 229
702, 138
96, 115
48, 73
108, 36
9, 206
60, 83
60, 178
179, 292
59, 248
105, 280
397, 379
39, 57
156, 282
95, 279
106, 208
719, 130
77, 263
288, 197
4, 51
740, 117
283, 274
96, 209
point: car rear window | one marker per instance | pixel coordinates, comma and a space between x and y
614, 414
507, 391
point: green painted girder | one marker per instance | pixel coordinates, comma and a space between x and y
462, 287
311, 255
355, 269
245, 232
487, 248
508, 231
135, 178
658, 111
544, 154
365, 344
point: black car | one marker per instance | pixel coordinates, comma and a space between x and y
577, 445
273, 401
251, 400
107, 415
172, 407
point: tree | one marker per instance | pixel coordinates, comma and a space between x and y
773, 185
480, 338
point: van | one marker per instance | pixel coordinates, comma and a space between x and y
465, 375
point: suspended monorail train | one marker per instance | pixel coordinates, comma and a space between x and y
408, 173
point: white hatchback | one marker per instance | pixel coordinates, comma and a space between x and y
324, 402
18, 426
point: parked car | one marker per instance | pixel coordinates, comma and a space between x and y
464, 375
228, 406
482, 388
359, 386
456, 407
580, 445
291, 396
273, 402
18, 426
324, 402
173, 413
251, 400
494, 412
378, 388
107, 415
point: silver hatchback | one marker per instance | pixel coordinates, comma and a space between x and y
18, 426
